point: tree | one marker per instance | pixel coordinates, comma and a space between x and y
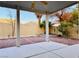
63, 28
12, 23
59, 14
66, 16
75, 18
39, 15
68, 21
37, 12
43, 25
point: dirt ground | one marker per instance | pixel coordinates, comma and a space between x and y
4, 43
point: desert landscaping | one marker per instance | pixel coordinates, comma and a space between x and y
31, 33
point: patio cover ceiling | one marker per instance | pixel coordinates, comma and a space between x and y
52, 6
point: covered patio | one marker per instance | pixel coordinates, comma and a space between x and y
44, 46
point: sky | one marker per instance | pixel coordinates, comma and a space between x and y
71, 8
25, 16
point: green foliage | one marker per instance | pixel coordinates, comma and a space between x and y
75, 19
65, 25
42, 24
63, 28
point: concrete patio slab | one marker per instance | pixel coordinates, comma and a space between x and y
27, 51
30, 50
69, 52
47, 55
51, 45
20, 52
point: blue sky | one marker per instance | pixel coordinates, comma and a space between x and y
71, 8
25, 16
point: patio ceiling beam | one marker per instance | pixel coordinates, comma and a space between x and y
14, 6
53, 6
18, 27
63, 8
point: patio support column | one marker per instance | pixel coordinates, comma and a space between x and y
47, 28
18, 27
78, 20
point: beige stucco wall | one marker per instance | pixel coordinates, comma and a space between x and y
28, 29
5, 30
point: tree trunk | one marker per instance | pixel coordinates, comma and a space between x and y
39, 21
13, 29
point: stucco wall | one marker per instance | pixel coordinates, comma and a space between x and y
28, 29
